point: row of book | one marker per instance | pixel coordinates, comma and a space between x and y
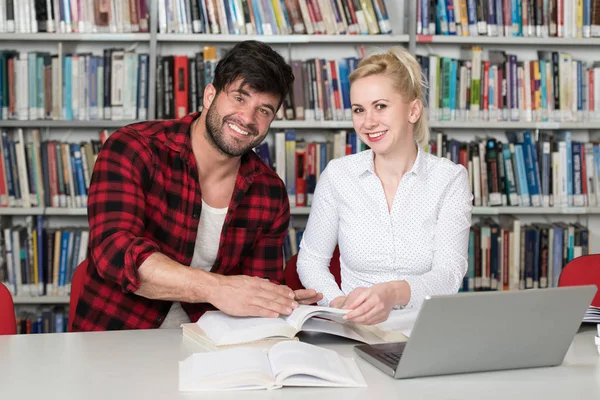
274, 17
40, 261
82, 16
321, 90
45, 320
507, 254
555, 87
45, 173
83, 86
527, 18
530, 169
510, 255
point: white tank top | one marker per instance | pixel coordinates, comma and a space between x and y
205, 254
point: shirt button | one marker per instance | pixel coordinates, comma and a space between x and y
196, 215
159, 319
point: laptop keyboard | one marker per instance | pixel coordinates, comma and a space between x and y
391, 358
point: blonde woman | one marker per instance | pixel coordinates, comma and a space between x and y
400, 216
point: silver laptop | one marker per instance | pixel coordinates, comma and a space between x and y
486, 331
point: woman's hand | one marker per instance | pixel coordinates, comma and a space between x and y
338, 302
373, 305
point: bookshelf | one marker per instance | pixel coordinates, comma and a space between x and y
283, 39
75, 37
299, 46
507, 41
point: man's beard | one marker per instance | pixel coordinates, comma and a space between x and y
230, 147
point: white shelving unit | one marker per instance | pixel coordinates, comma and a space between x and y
20, 300
47, 123
283, 39
75, 37
507, 40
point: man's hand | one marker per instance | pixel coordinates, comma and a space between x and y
245, 296
338, 302
307, 296
371, 305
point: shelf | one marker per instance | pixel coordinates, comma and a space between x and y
506, 40
282, 39
507, 125
312, 125
21, 211
65, 211
536, 210
75, 37
42, 211
505, 210
41, 300
42, 123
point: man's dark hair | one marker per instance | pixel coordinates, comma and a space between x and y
261, 67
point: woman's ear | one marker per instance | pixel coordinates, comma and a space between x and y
415, 111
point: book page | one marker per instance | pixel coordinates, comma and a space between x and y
304, 312
289, 359
397, 328
338, 329
239, 368
224, 329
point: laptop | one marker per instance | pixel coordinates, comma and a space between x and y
486, 331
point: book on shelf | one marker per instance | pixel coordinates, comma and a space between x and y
277, 17
285, 364
321, 90
498, 86
216, 330
39, 261
36, 173
45, 320
83, 16
74, 86
529, 18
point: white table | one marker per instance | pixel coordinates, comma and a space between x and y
144, 365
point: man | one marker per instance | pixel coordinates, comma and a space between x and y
166, 195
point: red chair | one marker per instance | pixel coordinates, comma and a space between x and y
76, 288
584, 270
8, 322
291, 275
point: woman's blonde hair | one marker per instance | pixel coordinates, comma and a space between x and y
405, 71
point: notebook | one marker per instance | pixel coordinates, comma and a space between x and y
287, 363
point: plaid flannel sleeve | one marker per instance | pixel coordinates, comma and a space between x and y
266, 260
116, 208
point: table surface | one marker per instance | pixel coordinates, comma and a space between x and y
144, 365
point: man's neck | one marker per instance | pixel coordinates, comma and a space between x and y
213, 165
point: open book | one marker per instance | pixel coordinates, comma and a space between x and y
216, 330
287, 363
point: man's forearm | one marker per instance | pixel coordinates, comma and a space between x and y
164, 279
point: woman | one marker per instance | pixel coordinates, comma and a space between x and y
400, 216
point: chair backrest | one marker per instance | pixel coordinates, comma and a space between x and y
584, 270
291, 274
8, 322
76, 288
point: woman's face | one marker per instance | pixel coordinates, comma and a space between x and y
381, 117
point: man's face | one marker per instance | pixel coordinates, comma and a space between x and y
238, 118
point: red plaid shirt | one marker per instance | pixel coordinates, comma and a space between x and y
144, 197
